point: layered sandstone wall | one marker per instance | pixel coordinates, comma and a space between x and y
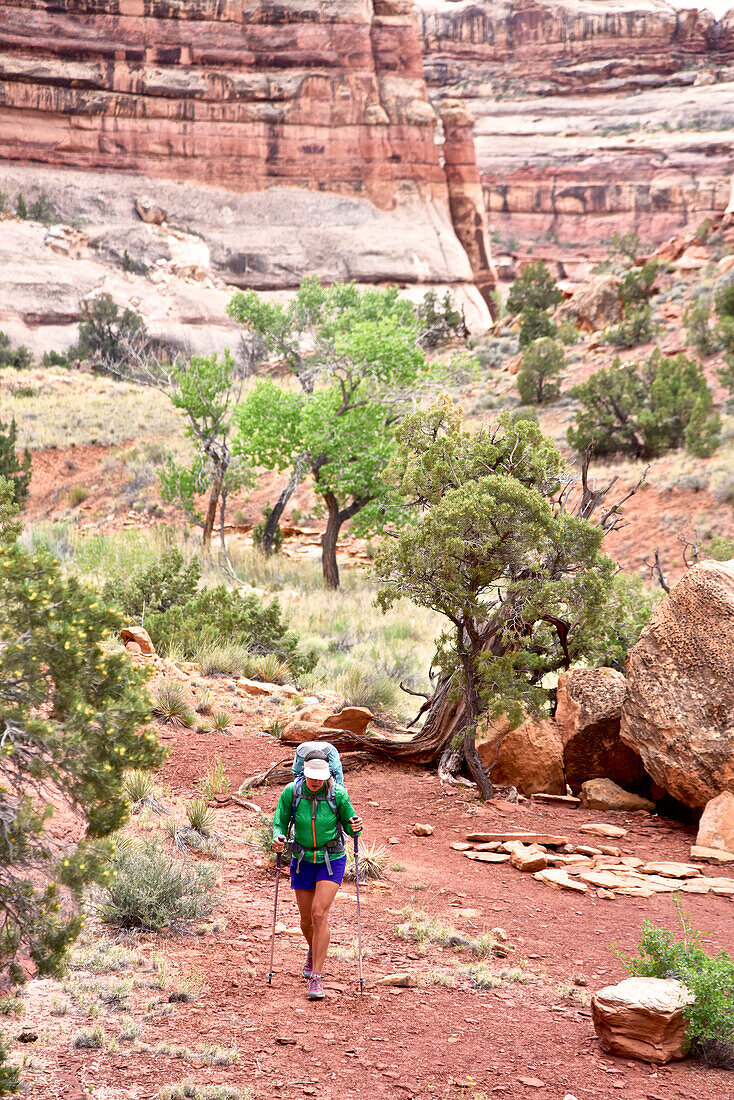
591, 117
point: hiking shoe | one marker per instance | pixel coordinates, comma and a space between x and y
307, 965
316, 988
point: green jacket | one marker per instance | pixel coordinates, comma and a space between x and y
314, 834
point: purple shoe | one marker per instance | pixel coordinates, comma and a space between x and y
307, 965
316, 988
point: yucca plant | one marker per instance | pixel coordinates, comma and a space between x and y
203, 699
172, 703
271, 668
373, 860
221, 721
140, 790
200, 817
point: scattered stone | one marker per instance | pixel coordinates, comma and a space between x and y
487, 857
679, 709
586, 850
605, 794
631, 861
527, 857
568, 861
141, 637
555, 799
671, 870
461, 846
711, 855
695, 886
402, 980
642, 1018
588, 715
598, 828
524, 838
532, 1082
422, 830
499, 934
723, 886
255, 687
609, 850
283, 930
606, 895
493, 846
558, 878
716, 827
28, 1036
352, 719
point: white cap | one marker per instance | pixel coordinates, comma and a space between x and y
316, 769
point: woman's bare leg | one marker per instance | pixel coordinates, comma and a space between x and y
304, 899
323, 896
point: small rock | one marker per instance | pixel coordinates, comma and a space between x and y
500, 934
402, 980
609, 850
422, 830
28, 1036
461, 846
149, 212
599, 828
141, 637
532, 1082
606, 895
711, 855
580, 981
488, 857
671, 870
134, 648
587, 850
530, 857
605, 794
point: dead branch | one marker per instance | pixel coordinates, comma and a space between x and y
656, 571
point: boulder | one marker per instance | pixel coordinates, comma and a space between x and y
352, 719
642, 1018
678, 712
297, 732
529, 757
588, 714
604, 794
716, 827
594, 306
422, 830
141, 637
148, 211
527, 857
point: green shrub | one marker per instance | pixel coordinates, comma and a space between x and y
221, 721
167, 582
56, 359
20, 358
439, 321
43, 210
21, 209
17, 472
724, 299
636, 328
627, 610
365, 687
200, 818
136, 267
538, 378
637, 285
373, 860
77, 495
9, 1075
154, 891
627, 245
698, 317
219, 613
710, 978
216, 781
172, 703
535, 324
535, 289
106, 333
139, 788
645, 409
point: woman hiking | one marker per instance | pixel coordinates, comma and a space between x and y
315, 811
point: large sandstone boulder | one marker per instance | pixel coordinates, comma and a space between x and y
716, 827
529, 757
679, 709
137, 636
594, 306
317, 723
642, 1018
588, 713
603, 794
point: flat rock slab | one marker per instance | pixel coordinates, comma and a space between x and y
601, 828
556, 799
524, 838
671, 870
488, 857
558, 878
461, 846
401, 980
711, 855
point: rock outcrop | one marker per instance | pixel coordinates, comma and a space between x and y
593, 306
529, 757
588, 715
678, 712
582, 128
716, 827
642, 1018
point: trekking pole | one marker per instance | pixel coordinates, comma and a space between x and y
275, 911
359, 914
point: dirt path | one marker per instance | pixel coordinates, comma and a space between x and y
522, 1039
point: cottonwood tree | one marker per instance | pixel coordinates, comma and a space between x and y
358, 361
72, 717
497, 550
206, 389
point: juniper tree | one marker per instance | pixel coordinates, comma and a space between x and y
16, 471
72, 717
538, 378
497, 550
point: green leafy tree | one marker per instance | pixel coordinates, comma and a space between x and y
645, 409
538, 378
358, 371
16, 471
71, 715
19, 358
497, 552
637, 285
627, 610
109, 336
534, 289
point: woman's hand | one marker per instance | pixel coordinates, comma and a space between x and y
279, 844
356, 824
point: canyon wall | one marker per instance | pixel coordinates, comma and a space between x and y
591, 117
249, 97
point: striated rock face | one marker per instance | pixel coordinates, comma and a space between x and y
591, 117
679, 709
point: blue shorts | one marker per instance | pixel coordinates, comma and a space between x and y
311, 873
